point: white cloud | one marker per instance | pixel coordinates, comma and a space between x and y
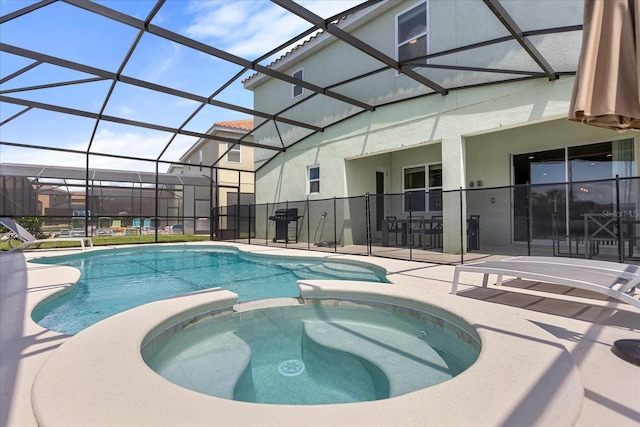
130, 144
251, 29
162, 59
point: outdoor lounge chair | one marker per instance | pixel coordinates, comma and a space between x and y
29, 240
78, 227
104, 226
609, 278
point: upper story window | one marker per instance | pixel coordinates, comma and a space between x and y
297, 90
313, 178
411, 33
233, 152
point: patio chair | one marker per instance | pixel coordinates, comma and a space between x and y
434, 231
395, 228
29, 239
601, 230
575, 235
416, 231
613, 279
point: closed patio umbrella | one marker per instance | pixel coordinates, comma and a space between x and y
606, 91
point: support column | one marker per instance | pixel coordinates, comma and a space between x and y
453, 177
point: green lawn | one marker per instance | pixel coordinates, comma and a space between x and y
117, 240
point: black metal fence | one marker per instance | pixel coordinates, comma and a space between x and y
593, 219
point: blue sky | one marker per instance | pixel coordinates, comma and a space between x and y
245, 28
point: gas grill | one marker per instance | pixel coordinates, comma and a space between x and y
283, 219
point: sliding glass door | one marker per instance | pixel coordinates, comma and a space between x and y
568, 182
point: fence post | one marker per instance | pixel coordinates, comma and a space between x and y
286, 240
212, 223
462, 226
529, 209
408, 229
335, 225
619, 221
249, 225
266, 226
367, 213
308, 225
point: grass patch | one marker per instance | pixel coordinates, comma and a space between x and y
115, 240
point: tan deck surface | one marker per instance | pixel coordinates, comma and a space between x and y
546, 358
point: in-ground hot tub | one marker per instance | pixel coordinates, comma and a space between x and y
99, 377
337, 352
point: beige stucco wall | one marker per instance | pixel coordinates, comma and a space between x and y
473, 132
438, 120
329, 62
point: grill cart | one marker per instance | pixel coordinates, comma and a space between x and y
284, 218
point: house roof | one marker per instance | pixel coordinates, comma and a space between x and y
246, 124
349, 21
298, 47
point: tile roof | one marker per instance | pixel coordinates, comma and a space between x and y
294, 48
246, 124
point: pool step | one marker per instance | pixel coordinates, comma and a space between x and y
213, 366
332, 271
408, 361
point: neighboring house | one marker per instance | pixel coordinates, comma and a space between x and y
230, 166
51, 196
501, 133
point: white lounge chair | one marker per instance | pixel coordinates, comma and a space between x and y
609, 278
29, 239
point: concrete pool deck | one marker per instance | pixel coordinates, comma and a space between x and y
547, 358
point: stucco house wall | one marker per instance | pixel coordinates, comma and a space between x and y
473, 132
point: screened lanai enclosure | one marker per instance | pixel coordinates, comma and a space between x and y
100, 101
92, 202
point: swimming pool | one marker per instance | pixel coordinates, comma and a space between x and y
116, 280
313, 354
100, 373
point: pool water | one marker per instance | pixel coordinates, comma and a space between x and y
311, 355
116, 280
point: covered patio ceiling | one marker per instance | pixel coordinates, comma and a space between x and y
142, 81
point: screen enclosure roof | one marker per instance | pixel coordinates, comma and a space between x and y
131, 84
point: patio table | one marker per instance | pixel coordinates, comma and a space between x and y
430, 226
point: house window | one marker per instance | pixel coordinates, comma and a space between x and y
297, 90
422, 194
411, 33
233, 152
435, 187
313, 174
414, 189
